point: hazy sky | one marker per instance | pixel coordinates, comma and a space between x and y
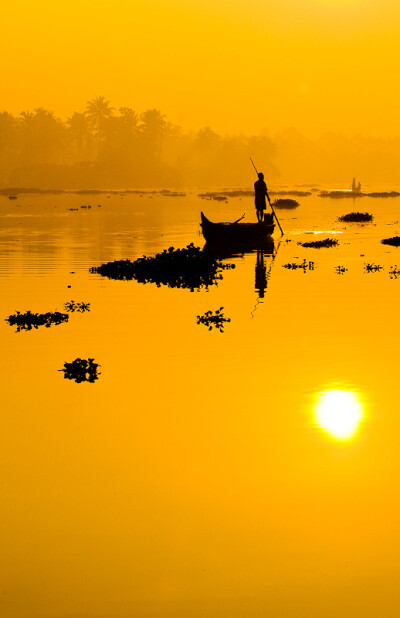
237, 65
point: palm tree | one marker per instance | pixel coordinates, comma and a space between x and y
8, 125
43, 136
130, 120
153, 127
80, 133
98, 111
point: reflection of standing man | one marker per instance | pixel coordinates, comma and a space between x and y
260, 191
261, 274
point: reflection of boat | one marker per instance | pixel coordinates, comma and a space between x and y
226, 250
236, 232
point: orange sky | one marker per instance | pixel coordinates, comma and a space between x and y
237, 65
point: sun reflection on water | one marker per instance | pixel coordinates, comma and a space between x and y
339, 413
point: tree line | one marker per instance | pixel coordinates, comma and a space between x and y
106, 148
102, 147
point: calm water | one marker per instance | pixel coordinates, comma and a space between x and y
244, 474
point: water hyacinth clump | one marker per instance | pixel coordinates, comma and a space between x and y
81, 370
177, 268
304, 265
372, 268
213, 320
71, 306
285, 203
356, 217
318, 244
394, 241
29, 320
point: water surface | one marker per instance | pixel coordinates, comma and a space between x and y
246, 473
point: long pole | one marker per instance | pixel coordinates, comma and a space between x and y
269, 201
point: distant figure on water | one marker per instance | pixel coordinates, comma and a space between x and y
260, 191
356, 188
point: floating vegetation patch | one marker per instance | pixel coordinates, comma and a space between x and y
213, 320
394, 272
341, 194
356, 217
168, 193
71, 306
223, 195
286, 203
305, 265
393, 242
372, 268
29, 320
383, 194
340, 270
214, 196
318, 244
177, 268
81, 370
296, 193
248, 192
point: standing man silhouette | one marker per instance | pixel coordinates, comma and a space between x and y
260, 191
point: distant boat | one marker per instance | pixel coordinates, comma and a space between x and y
246, 233
356, 187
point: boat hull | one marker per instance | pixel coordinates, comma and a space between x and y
250, 234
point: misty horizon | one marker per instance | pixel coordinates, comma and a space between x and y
103, 147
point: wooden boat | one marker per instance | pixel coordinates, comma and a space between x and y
246, 233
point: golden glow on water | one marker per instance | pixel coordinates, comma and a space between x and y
339, 413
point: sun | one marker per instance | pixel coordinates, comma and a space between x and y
339, 413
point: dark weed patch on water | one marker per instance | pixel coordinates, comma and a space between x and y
177, 268
81, 370
71, 306
393, 242
356, 217
372, 268
29, 320
340, 270
383, 194
394, 272
213, 320
305, 265
285, 203
319, 244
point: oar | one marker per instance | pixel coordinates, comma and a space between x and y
272, 208
269, 201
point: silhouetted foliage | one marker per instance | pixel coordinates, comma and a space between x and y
372, 268
286, 203
340, 194
177, 268
305, 265
213, 320
340, 270
394, 272
383, 194
29, 320
356, 217
81, 370
393, 242
318, 244
71, 306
